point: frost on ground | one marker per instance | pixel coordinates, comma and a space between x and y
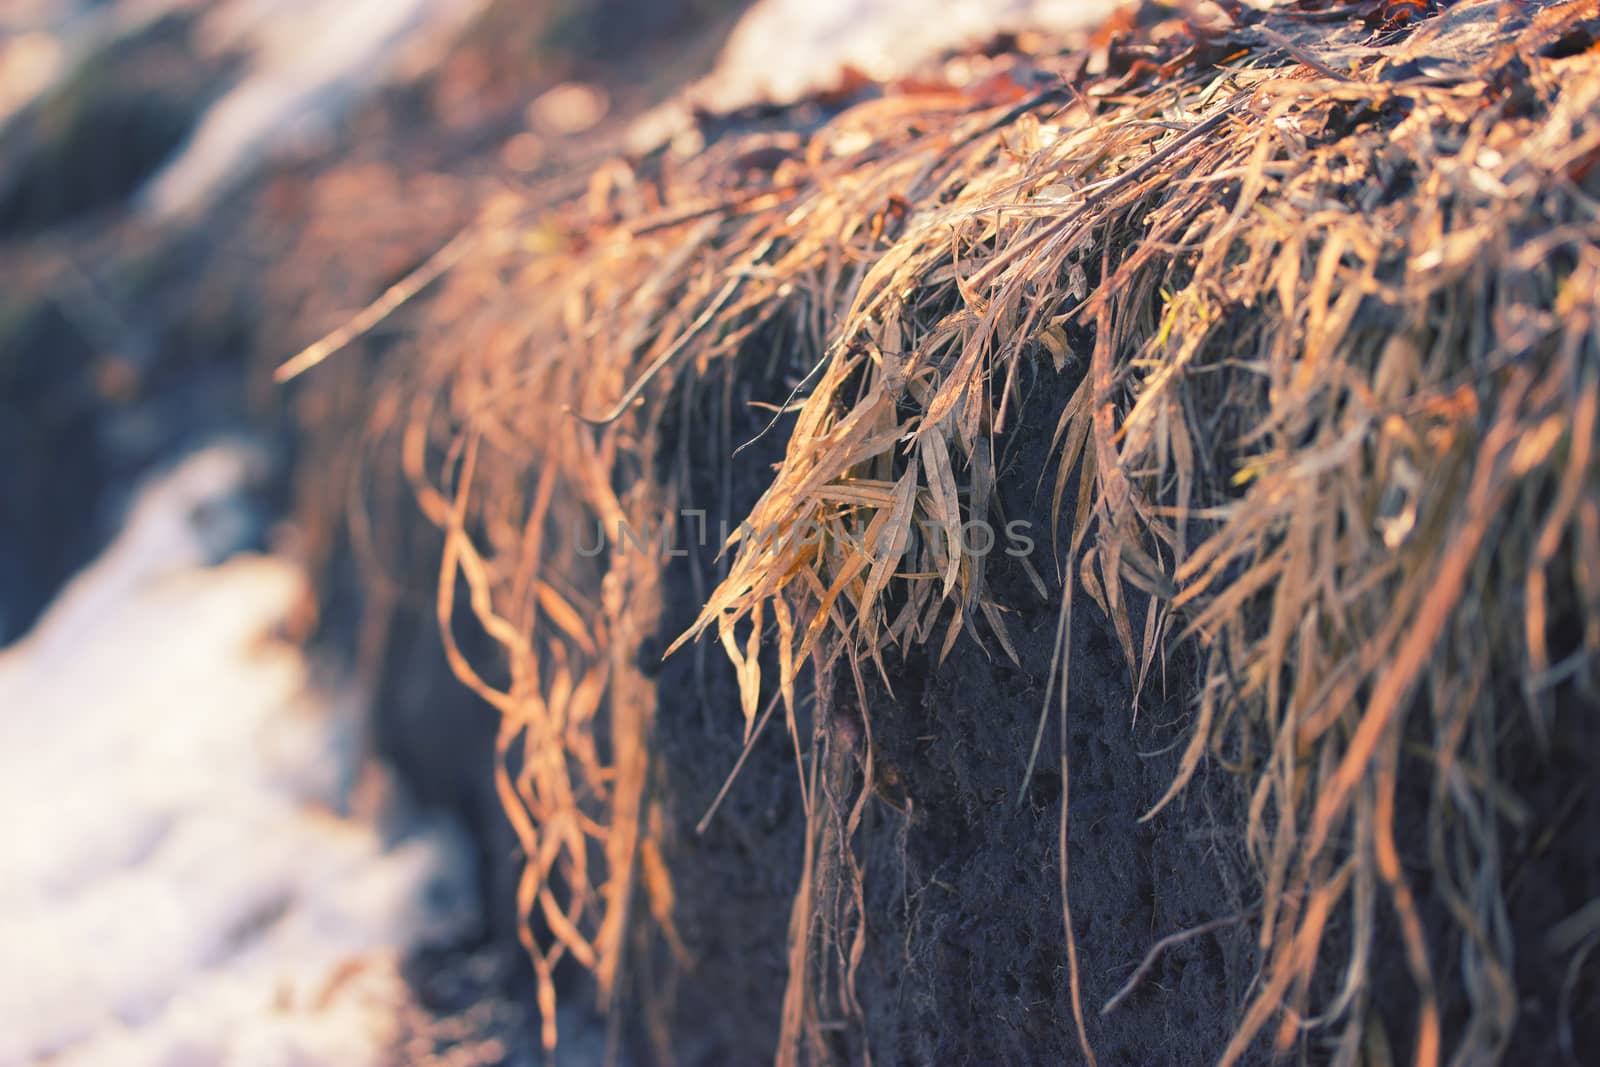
191, 875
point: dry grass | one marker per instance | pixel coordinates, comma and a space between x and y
1333, 295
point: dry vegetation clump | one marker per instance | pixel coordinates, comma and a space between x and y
1328, 284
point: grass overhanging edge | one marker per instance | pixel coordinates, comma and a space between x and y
1333, 308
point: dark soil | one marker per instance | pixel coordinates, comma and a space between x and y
1552, 871
965, 959
969, 962
735, 883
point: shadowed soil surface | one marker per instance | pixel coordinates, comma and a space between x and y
964, 949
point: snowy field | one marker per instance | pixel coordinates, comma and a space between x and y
201, 868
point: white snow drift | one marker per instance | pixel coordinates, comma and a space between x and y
181, 882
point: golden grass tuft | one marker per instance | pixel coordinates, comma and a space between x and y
1331, 292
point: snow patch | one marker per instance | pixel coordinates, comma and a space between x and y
781, 50
182, 882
